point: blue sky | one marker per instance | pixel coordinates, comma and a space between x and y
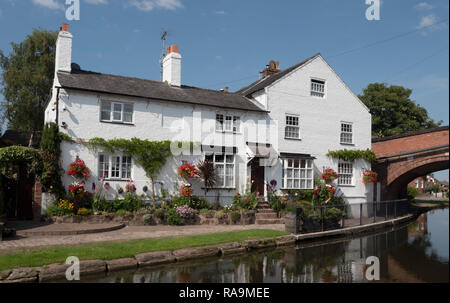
227, 42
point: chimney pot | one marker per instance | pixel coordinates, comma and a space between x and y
65, 27
172, 49
272, 68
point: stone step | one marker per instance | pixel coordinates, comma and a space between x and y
260, 216
270, 221
265, 210
263, 205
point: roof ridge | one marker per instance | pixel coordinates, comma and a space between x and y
81, 71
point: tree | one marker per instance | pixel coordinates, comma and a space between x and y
393, 112
26, 79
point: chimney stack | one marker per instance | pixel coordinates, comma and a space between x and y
63, 59
172, 66
272, 68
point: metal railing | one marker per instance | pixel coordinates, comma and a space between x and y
309, 219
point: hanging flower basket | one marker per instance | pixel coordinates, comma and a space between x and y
186, 189
370, 177
187, 171
329, 175
79, 170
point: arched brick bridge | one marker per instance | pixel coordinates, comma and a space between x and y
404, 157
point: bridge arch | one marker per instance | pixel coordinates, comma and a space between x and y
402, 158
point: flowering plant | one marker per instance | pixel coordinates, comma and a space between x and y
369, 176
186, 189
77, 188
329, 175
329, 191
185, 211
79, 170
130, 187
187, 170
65, 205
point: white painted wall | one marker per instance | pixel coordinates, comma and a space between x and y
155, 121
319, 121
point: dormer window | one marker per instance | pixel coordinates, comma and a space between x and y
317, 88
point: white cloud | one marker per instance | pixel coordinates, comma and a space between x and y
423, 5
51, 4
148, 5
221, 12
95, 2
428, 21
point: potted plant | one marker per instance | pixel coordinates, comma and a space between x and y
329, 175
369, 176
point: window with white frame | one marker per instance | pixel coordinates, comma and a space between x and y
228, 123
317, 88
116, 112
292, 129
298, 174
224, 165
345, 172
346, 133
114, 166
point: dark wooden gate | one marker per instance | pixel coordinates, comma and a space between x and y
19, 196
257, 177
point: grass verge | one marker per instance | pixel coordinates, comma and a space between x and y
128, 249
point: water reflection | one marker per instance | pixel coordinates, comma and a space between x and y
407, 254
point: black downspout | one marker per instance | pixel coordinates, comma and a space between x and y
57, 106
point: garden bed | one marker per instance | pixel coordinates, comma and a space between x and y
145, 219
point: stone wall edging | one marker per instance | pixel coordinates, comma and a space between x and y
88, 267
56, 271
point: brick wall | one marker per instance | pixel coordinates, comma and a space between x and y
410, 143
37, 200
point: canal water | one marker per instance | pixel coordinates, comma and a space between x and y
415, 252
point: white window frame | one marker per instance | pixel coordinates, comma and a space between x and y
298, 173
345, 131
101, 166
292, 126
224, 175
316, 91
122, 112
226, 123
344, 173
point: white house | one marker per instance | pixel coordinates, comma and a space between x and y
278, 128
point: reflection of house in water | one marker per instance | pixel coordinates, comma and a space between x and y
420, 228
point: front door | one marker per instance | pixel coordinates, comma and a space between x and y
257, 178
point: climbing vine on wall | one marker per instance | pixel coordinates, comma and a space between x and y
50, 152
12, 156
150, 155
352, 155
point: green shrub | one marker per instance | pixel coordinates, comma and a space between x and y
298, 194
131, 202
199, 203
235, 216
121, 212
83, 212
412, 193
219, 214
204, 210
100, 204
247, 201
173, 218
159, 213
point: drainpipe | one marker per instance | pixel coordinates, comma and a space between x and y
57, 106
